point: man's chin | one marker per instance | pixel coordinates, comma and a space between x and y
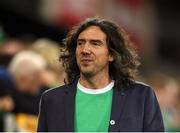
87, 73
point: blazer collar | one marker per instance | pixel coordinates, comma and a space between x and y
70, 105
118, 102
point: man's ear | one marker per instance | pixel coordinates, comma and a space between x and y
111, 58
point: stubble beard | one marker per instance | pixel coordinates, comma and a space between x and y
86, 73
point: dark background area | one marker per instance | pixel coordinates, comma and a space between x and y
20, 18
168, 45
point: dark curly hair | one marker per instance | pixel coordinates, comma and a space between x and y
126, 61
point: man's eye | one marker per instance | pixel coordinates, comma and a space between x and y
79, 43
96, 43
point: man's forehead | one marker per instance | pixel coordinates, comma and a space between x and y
92, 32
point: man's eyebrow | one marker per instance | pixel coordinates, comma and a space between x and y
91, 40
80, 39
94, 40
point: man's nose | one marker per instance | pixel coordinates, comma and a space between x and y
86, 48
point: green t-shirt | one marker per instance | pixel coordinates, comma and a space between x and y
93, 109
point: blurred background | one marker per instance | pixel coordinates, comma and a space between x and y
31, 32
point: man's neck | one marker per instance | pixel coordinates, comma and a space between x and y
94, 82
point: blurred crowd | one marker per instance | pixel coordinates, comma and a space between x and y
27, 69
167, 90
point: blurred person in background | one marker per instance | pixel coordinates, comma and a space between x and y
177, 118
167, 90
25, 69
6, 86
55, 74
101, 94
6, 101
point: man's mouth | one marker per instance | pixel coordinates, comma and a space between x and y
86, 61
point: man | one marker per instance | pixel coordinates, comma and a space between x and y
101, 94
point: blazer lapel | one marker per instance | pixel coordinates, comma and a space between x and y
70, 106
117, 107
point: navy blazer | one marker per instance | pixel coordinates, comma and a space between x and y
134, 109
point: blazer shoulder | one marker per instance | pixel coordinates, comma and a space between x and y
141, 84
54, 91
142, 87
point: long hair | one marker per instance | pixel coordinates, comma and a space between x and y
126, 61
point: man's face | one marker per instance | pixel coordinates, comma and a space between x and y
92, 53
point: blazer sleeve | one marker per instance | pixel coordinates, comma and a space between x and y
42, 125
153, 121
